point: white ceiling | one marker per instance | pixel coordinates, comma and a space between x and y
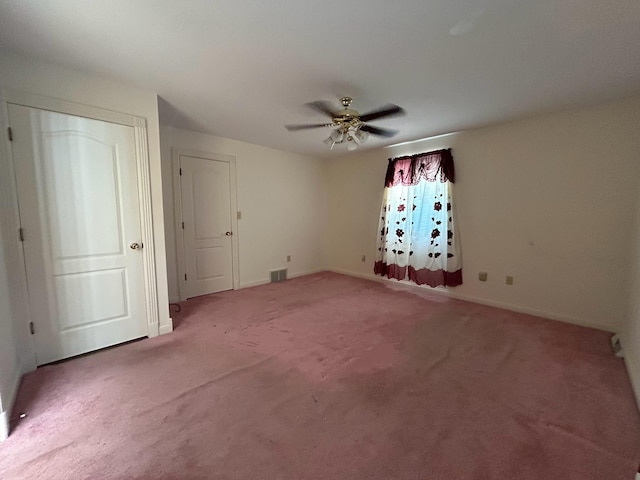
243, 68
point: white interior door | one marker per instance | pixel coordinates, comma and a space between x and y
79, 208
206, 213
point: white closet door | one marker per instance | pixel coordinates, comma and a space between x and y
79, 208
206, 213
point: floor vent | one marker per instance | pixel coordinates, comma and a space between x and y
279, 275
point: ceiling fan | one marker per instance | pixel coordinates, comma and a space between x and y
349, 126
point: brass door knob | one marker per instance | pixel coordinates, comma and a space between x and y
228, 234
135, 246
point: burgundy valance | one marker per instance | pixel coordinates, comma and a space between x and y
432, 166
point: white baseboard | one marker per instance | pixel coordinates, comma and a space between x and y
252, 284
12, 393
310, 272
483, 301
4, 426
289, 276
631, 362
166, 328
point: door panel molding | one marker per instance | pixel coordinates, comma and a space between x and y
139, 126
177, 201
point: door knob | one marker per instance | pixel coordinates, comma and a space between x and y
135, 246
228, 234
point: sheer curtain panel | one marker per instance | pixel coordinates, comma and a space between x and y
417, 232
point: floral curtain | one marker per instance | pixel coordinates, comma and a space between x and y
418, 237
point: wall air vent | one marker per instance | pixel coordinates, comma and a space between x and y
278, 275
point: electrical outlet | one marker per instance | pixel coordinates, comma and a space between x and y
364, 258
509, 280
482, 276
288, 258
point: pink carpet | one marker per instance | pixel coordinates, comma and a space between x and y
330, 377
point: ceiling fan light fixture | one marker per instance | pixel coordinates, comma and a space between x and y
360, 136
329, 142
349, 126
337, 135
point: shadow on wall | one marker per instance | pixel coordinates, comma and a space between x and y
172, 117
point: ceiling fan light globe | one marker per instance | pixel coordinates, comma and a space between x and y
337, 135
361, 136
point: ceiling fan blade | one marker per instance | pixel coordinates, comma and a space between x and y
293, 128
384, 111
383, 132
323, 107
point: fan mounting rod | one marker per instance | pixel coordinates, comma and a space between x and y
347, 115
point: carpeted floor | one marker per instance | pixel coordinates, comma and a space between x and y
330, 377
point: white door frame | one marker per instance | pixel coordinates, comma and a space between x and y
143, 179
177, 213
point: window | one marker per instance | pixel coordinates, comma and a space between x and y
417, 235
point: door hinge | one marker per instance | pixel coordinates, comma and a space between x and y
21, 234
181, 171
185, 276
183, 225
32, 329
10, 134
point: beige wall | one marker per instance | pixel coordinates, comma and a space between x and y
9, 360
282, 198
631, 334
549, 200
